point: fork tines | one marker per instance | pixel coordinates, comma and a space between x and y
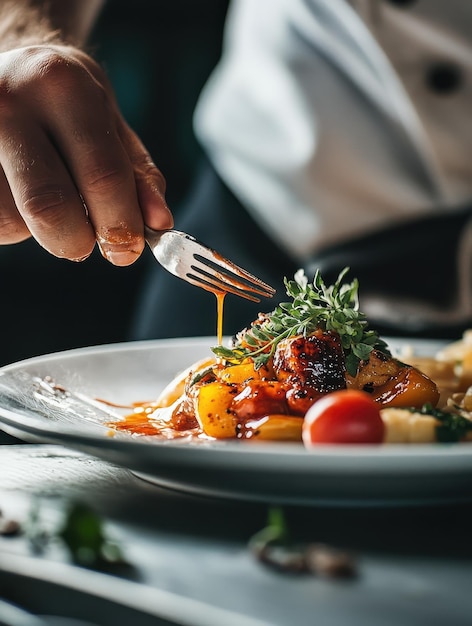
217, 273
187, 258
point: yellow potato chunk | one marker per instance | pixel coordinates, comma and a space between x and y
403, 426
213, 410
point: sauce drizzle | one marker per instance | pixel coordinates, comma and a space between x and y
143, 419
220, 298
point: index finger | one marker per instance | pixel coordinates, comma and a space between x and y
86, 132
104, 177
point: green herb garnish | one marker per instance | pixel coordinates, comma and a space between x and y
313, 306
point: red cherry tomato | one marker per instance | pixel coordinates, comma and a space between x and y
344, 416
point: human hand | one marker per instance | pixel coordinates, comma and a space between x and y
72, 172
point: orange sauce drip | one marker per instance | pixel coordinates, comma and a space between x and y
141, 422
220, 298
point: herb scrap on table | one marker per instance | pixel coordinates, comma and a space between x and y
274, 547
9, 527
82, 533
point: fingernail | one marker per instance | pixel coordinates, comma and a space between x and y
162, 216
169, 218
119, 246
118, 257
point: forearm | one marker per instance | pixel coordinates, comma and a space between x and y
30, 22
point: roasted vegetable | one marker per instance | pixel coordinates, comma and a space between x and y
393, 383
213, 409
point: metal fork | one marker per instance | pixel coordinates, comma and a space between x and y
185, 257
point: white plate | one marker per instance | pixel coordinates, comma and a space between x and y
273, 473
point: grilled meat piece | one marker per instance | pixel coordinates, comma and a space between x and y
376, 371
259, 398
310, 366
315, 361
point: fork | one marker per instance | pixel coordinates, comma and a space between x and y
185, 257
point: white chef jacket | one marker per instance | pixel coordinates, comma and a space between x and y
331, 119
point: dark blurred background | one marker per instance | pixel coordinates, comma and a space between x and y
158, 56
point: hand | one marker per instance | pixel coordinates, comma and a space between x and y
72, 172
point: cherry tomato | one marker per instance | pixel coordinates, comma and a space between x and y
344, 416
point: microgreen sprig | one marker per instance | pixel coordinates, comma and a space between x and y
313, 306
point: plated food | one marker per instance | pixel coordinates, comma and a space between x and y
312, 371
